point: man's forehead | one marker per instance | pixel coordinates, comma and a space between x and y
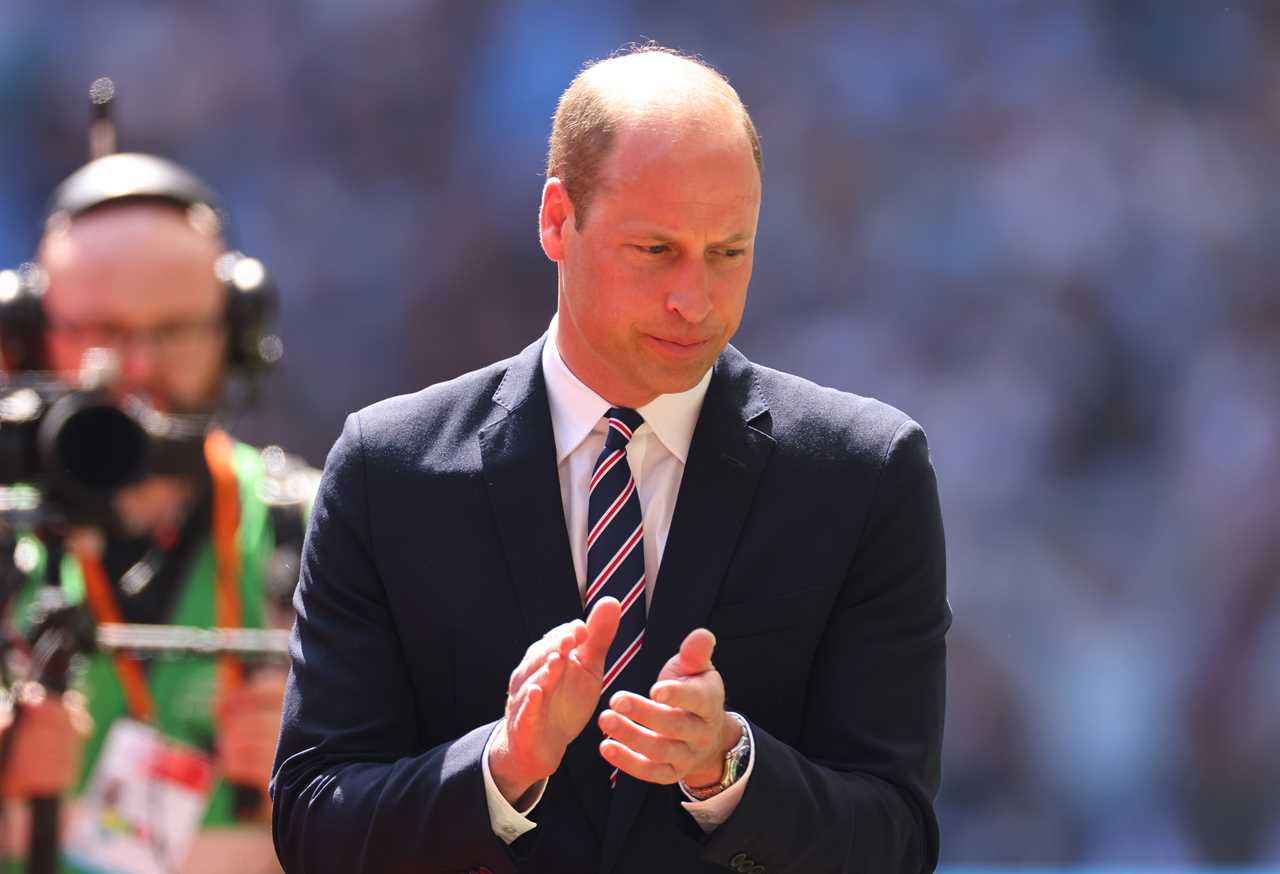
133, 231
683, 164
131, 261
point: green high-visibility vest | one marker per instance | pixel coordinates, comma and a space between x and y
182, 690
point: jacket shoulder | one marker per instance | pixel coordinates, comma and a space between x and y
444, 412
825, 422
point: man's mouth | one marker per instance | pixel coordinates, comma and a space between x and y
678, 343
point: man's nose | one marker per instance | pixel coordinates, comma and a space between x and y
691, 297
137, 364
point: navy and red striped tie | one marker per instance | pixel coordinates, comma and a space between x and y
615, 546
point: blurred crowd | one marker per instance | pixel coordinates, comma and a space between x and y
1045, 230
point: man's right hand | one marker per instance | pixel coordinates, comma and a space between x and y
551, 696
46, 744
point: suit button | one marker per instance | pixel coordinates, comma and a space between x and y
742, 863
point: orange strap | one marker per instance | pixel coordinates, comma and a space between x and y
228, 610
137, 697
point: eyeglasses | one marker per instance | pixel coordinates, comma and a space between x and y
170, 340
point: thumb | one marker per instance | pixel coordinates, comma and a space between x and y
602, 626
695, 653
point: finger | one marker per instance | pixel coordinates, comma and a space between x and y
545, 680
82, 722
527, 713
702, 695
536, 655
654, 746
32, 694
602, 625
630, 762
524, 707
538, 651
548, 676
662, 718
571, 625
75, 702
560, 639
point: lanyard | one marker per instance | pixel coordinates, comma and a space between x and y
228, 612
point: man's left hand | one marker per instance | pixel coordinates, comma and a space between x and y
248, 720
681, 731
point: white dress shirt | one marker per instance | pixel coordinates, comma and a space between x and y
657, 455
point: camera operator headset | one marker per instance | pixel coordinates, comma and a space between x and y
280, 484
251, 298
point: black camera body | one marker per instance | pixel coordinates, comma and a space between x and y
76, 446
71, 448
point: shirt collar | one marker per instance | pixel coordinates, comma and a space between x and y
576, 409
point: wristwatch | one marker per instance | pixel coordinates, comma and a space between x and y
735, 765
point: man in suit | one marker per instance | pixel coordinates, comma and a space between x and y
758, 682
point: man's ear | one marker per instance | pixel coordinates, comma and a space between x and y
554, 217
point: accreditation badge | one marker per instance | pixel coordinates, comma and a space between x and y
143, 804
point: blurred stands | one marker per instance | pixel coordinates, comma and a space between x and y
1048, 231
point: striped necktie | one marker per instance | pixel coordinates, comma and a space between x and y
615, 546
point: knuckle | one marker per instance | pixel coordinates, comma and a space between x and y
688, 757
628, 733
674, 751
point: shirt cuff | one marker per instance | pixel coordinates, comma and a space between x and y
715, 810
507, 822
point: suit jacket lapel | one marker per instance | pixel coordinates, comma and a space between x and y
730, 449
518, 452
518, 455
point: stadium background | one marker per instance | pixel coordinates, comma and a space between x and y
1047, 230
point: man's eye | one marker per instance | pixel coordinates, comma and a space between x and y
657, 249
734, 253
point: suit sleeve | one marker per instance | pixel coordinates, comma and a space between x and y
856, 793
353, 788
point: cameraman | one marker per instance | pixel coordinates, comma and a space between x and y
133, 260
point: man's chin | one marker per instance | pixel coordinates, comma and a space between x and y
677, 380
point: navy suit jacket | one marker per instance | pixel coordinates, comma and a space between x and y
806, 535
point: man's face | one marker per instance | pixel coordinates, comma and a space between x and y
654, 284
139, 279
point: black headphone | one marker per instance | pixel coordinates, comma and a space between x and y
251, 297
